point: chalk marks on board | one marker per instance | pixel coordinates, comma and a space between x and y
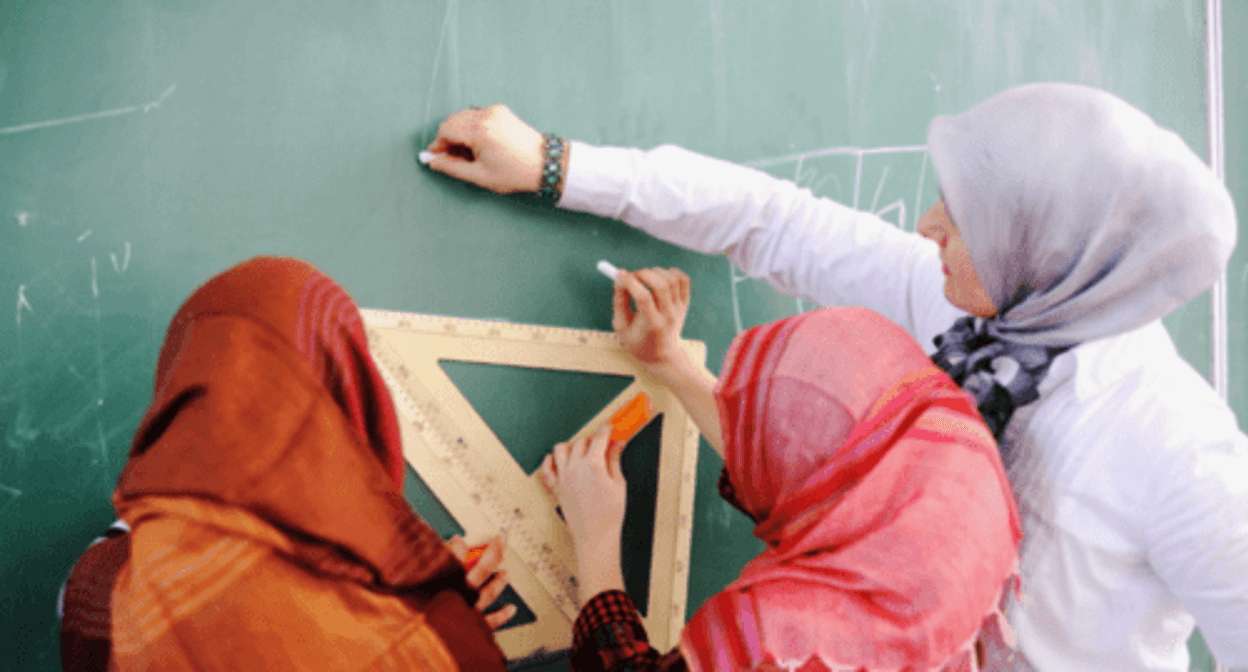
99, 365
125, 260
805, 173
23, 218
22, 303
102, 114
156, 103
895, 175
68, 344
448, 37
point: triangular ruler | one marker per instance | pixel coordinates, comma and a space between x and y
475, 477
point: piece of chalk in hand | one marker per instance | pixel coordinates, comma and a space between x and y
608, 270
426, 157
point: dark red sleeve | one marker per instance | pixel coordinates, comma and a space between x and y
729, 494
86, 626
609, 636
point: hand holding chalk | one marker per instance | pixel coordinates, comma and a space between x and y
651, 332
489, 147
609, 270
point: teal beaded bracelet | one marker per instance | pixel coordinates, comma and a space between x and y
552, 169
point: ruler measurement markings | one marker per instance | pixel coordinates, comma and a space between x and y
449, 445
441, 434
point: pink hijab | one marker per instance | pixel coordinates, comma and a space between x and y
890, 528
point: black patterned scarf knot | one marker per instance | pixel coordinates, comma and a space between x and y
1000, 375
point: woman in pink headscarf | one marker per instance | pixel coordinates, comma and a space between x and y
890, 530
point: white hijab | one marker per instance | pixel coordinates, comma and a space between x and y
1082, 217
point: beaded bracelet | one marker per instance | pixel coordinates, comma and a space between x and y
552, 171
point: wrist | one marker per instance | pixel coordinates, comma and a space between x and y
551, 178
598, 568
590, 550
673, 369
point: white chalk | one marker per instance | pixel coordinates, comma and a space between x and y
608, 270
426, 157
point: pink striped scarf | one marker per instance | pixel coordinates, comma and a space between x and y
890, 528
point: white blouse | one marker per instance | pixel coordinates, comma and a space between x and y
1131, 473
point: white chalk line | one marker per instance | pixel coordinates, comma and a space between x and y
900, 206
437, 57
834, 151
735, 277
125, 262
104, 114
22, 303
878, 188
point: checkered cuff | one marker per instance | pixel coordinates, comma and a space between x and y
609, 620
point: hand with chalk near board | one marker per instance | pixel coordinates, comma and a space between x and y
585, 476
1069, 224
491, 147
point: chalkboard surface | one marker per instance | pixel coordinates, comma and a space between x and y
145, 146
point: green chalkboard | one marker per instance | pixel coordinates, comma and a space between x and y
147, 145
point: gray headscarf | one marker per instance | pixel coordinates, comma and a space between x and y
1083, 219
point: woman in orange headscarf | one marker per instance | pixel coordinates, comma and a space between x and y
890, 529
263, 497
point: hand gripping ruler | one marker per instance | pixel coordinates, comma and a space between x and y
481, 485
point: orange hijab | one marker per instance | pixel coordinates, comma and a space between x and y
889, 522
270, 418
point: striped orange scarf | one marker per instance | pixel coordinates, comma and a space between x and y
264, 494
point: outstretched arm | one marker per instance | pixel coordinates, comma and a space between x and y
813, 248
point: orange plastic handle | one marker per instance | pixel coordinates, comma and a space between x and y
474, 554
630, 419
625, 424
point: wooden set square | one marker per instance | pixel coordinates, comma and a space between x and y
483, 487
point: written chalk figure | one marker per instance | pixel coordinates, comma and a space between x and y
1069, 225
833, 426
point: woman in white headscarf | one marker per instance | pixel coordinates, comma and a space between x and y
1069, 225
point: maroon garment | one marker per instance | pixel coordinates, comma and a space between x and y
86, 642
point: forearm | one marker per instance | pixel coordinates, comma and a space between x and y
598, 563
808, 247
694, 385
695, 201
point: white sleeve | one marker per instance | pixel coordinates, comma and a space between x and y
808, 247
1198, 541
